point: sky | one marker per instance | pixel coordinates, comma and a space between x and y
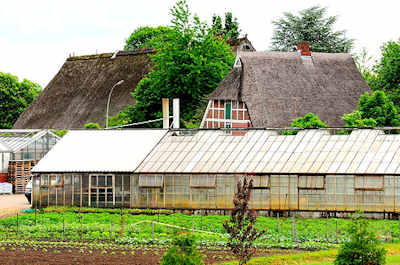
36, 37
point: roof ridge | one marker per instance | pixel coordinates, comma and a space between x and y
110, 54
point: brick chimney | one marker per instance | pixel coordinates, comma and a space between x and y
303, 48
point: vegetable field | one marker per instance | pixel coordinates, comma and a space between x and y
135, 227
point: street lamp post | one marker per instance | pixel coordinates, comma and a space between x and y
109, 98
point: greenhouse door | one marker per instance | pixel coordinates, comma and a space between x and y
101, 191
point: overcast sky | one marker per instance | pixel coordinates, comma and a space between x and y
37, 36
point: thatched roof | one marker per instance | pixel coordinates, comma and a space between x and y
280, 86
78, 93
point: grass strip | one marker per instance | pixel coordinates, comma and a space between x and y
323, 257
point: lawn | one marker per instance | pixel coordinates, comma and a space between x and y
323, 257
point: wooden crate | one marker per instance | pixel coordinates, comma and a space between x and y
19, 173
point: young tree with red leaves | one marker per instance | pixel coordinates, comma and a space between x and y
241, 226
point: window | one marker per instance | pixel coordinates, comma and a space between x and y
202, 181
101, 191
53, 181
368, 183
261, 182
228, 109
311, 182
151, 181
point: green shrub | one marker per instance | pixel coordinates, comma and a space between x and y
183, 252
309, 121
92, 125
363, 247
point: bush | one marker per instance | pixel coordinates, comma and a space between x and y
363, 247
309, 121
183, 252
92, 125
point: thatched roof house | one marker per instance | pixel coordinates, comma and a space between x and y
78, 93
270, 89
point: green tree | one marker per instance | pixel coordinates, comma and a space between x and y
15, 97
363, 247
230, 30
310, 120
189, 63
182, 252
373, 110
310, 25
142, 37
363, 62
386, 73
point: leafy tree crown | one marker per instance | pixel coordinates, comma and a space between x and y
309, 121
385, 75
189, 63
15, 97
310, 25
230, 29
373, 110
142, 37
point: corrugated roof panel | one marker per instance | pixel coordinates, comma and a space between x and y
310, 151
100, 151
330, 160
303, 164
355, 163
14, 140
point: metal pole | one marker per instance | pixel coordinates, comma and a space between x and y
80, 220
326, 230
294, 234
111, 229
337, 232
277, 222
17, 223
152, 229
109, 98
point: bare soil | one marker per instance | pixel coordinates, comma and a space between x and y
145, 256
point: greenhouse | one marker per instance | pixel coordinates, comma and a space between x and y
20, 150
314, 170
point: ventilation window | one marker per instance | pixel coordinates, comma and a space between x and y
54, 181
202, 181
311, 182
261, 182
151, 181
368, 183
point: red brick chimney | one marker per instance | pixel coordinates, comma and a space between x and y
304, 48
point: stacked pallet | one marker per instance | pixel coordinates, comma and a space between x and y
19, 173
